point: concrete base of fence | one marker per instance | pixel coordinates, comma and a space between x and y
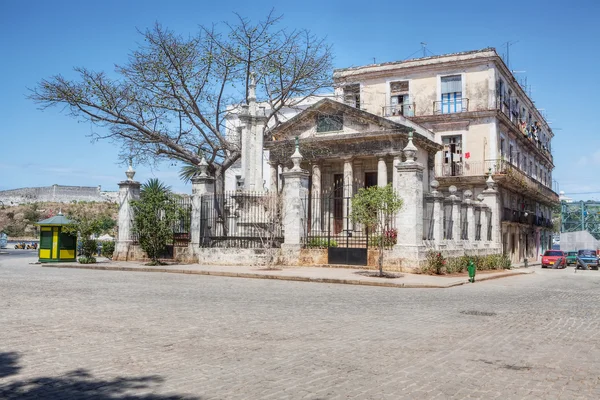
230, 256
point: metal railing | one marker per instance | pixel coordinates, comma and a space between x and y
241, 219
428, 218
181, 227
405, 110
451, 107
529, 131
469, 168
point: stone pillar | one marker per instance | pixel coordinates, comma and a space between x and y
348, 192
491, 199
202, 184
327, 193
128, 190
397, 160
468, 202
409, 186
456, 221
295, 192
381, 172
358, 173
316, 199
438, 212
274, 177
253, 121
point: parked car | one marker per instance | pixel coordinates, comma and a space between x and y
587, 259
571, 258
552, 257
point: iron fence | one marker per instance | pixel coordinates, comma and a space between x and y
329, 224
181, 227
477, 224
241, 219
448, 221
464, 223
489, 225
428, 219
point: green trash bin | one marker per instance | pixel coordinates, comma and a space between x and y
472, 269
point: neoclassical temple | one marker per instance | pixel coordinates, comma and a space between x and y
318, 161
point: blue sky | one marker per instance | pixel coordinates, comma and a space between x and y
558, 47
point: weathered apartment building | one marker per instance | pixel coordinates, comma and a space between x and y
486, 123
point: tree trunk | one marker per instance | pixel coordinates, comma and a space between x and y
380, 258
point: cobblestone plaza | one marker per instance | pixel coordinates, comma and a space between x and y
67, 333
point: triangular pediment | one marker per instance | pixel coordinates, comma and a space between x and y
329, 118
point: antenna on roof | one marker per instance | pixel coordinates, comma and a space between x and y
507, 55
424, 46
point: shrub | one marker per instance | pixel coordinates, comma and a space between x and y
436, 262
320, 243
89, 248
457, 264
87, 260
389, 237
108, 248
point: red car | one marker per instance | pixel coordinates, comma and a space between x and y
552, 257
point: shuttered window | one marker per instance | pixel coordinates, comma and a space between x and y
451, 84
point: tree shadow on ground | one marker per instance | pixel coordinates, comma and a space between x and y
79, 384
9, 364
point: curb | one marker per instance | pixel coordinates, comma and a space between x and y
279, 277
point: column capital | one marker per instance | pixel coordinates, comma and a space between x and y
131, 184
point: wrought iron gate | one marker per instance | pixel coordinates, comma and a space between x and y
329, 226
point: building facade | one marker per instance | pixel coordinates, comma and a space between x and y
486, 123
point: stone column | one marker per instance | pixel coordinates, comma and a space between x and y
202, 184
274, 177
348, 192
295, 192
491, 199
409, 186
468, 202
253, 121
327, 193
397, 160
128, 190
381, 172
456, 221
438, 213
316, 198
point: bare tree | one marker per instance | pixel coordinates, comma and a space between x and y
171, 99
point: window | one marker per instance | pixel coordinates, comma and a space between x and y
452, 163
329, 123
452, 101
502, 150
67, 241
352, 95
400, 100
510, 153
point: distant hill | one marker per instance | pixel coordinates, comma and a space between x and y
19, 221
56, 194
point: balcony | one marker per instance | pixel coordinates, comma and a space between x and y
530, 132
503, 171
469, 168
451, 107
522, 217
405, 110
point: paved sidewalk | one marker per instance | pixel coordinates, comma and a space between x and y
349, 276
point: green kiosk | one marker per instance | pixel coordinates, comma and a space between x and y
56, 245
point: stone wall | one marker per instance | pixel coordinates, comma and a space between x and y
56, 194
